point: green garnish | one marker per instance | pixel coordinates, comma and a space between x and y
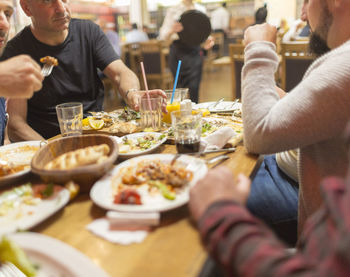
48, 191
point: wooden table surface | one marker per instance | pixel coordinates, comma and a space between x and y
172, 249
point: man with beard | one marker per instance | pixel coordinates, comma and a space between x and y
312, 117
81, 48
19, 76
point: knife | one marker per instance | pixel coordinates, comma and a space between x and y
228, 150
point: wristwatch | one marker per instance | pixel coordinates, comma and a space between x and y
130, 90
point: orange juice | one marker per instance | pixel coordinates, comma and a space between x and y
175, 106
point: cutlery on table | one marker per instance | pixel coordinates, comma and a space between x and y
217, 103
8, 269
217, 159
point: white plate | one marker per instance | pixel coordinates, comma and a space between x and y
15, 153
55, 258
102, 193
224, 106
134, 137
25, 217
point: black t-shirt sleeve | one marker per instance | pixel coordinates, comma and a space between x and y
104, 52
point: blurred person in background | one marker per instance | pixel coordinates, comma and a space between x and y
191, 67
110, 31
220, 19
20, 76
135, 35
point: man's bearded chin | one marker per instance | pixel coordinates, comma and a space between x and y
318, 45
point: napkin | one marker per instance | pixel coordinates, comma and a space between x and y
218, 139
124, 228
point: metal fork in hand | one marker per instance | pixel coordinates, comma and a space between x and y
10, 270
46, 70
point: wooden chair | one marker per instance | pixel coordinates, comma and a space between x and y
153, 53
295, 61
236, 52
131, 56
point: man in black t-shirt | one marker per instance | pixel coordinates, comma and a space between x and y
81, 48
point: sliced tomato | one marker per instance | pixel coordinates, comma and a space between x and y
129, 197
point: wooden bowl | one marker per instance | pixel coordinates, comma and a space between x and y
86, 175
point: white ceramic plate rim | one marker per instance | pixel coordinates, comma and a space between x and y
101, 192
224, 106
62, 254
141, 134
7, 179
45, 209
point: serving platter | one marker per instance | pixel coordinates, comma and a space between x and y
55, 258
103, 191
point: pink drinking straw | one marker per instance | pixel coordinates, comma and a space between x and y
146, 86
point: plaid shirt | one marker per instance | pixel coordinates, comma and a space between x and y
244, 246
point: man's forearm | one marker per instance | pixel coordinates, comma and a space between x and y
18, 130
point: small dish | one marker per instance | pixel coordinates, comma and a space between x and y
137, 144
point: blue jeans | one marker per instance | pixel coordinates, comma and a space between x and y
274, 199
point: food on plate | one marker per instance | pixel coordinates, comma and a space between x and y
10, 168
49, 60
123, 127
16, 159
128, 196
84, 156
25, 195
153, 177
204, 112
11, 252
141, 143
128, 114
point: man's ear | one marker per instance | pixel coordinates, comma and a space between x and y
25, 7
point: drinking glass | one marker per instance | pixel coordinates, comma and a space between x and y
70, 116
185, 93
151, 112
175, 106
187, 131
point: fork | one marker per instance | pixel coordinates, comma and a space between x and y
8, 269
46, 70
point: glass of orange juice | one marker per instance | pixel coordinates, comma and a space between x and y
175, 106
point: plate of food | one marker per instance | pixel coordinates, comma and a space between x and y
25, 206
15, 160
148, 183
117, 122
139, 144
38, 255
219, 107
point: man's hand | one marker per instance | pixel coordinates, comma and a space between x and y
177, 27
260, 32
209, 43
20, 76
217, 185
135, 96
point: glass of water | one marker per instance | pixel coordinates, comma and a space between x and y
151, 112
70, 116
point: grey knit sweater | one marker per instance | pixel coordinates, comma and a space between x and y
312, 117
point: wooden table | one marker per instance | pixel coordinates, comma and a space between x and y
172, 249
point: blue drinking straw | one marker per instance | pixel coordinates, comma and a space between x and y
175, 83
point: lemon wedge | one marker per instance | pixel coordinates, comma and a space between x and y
85, 122
204, 112
96, 124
